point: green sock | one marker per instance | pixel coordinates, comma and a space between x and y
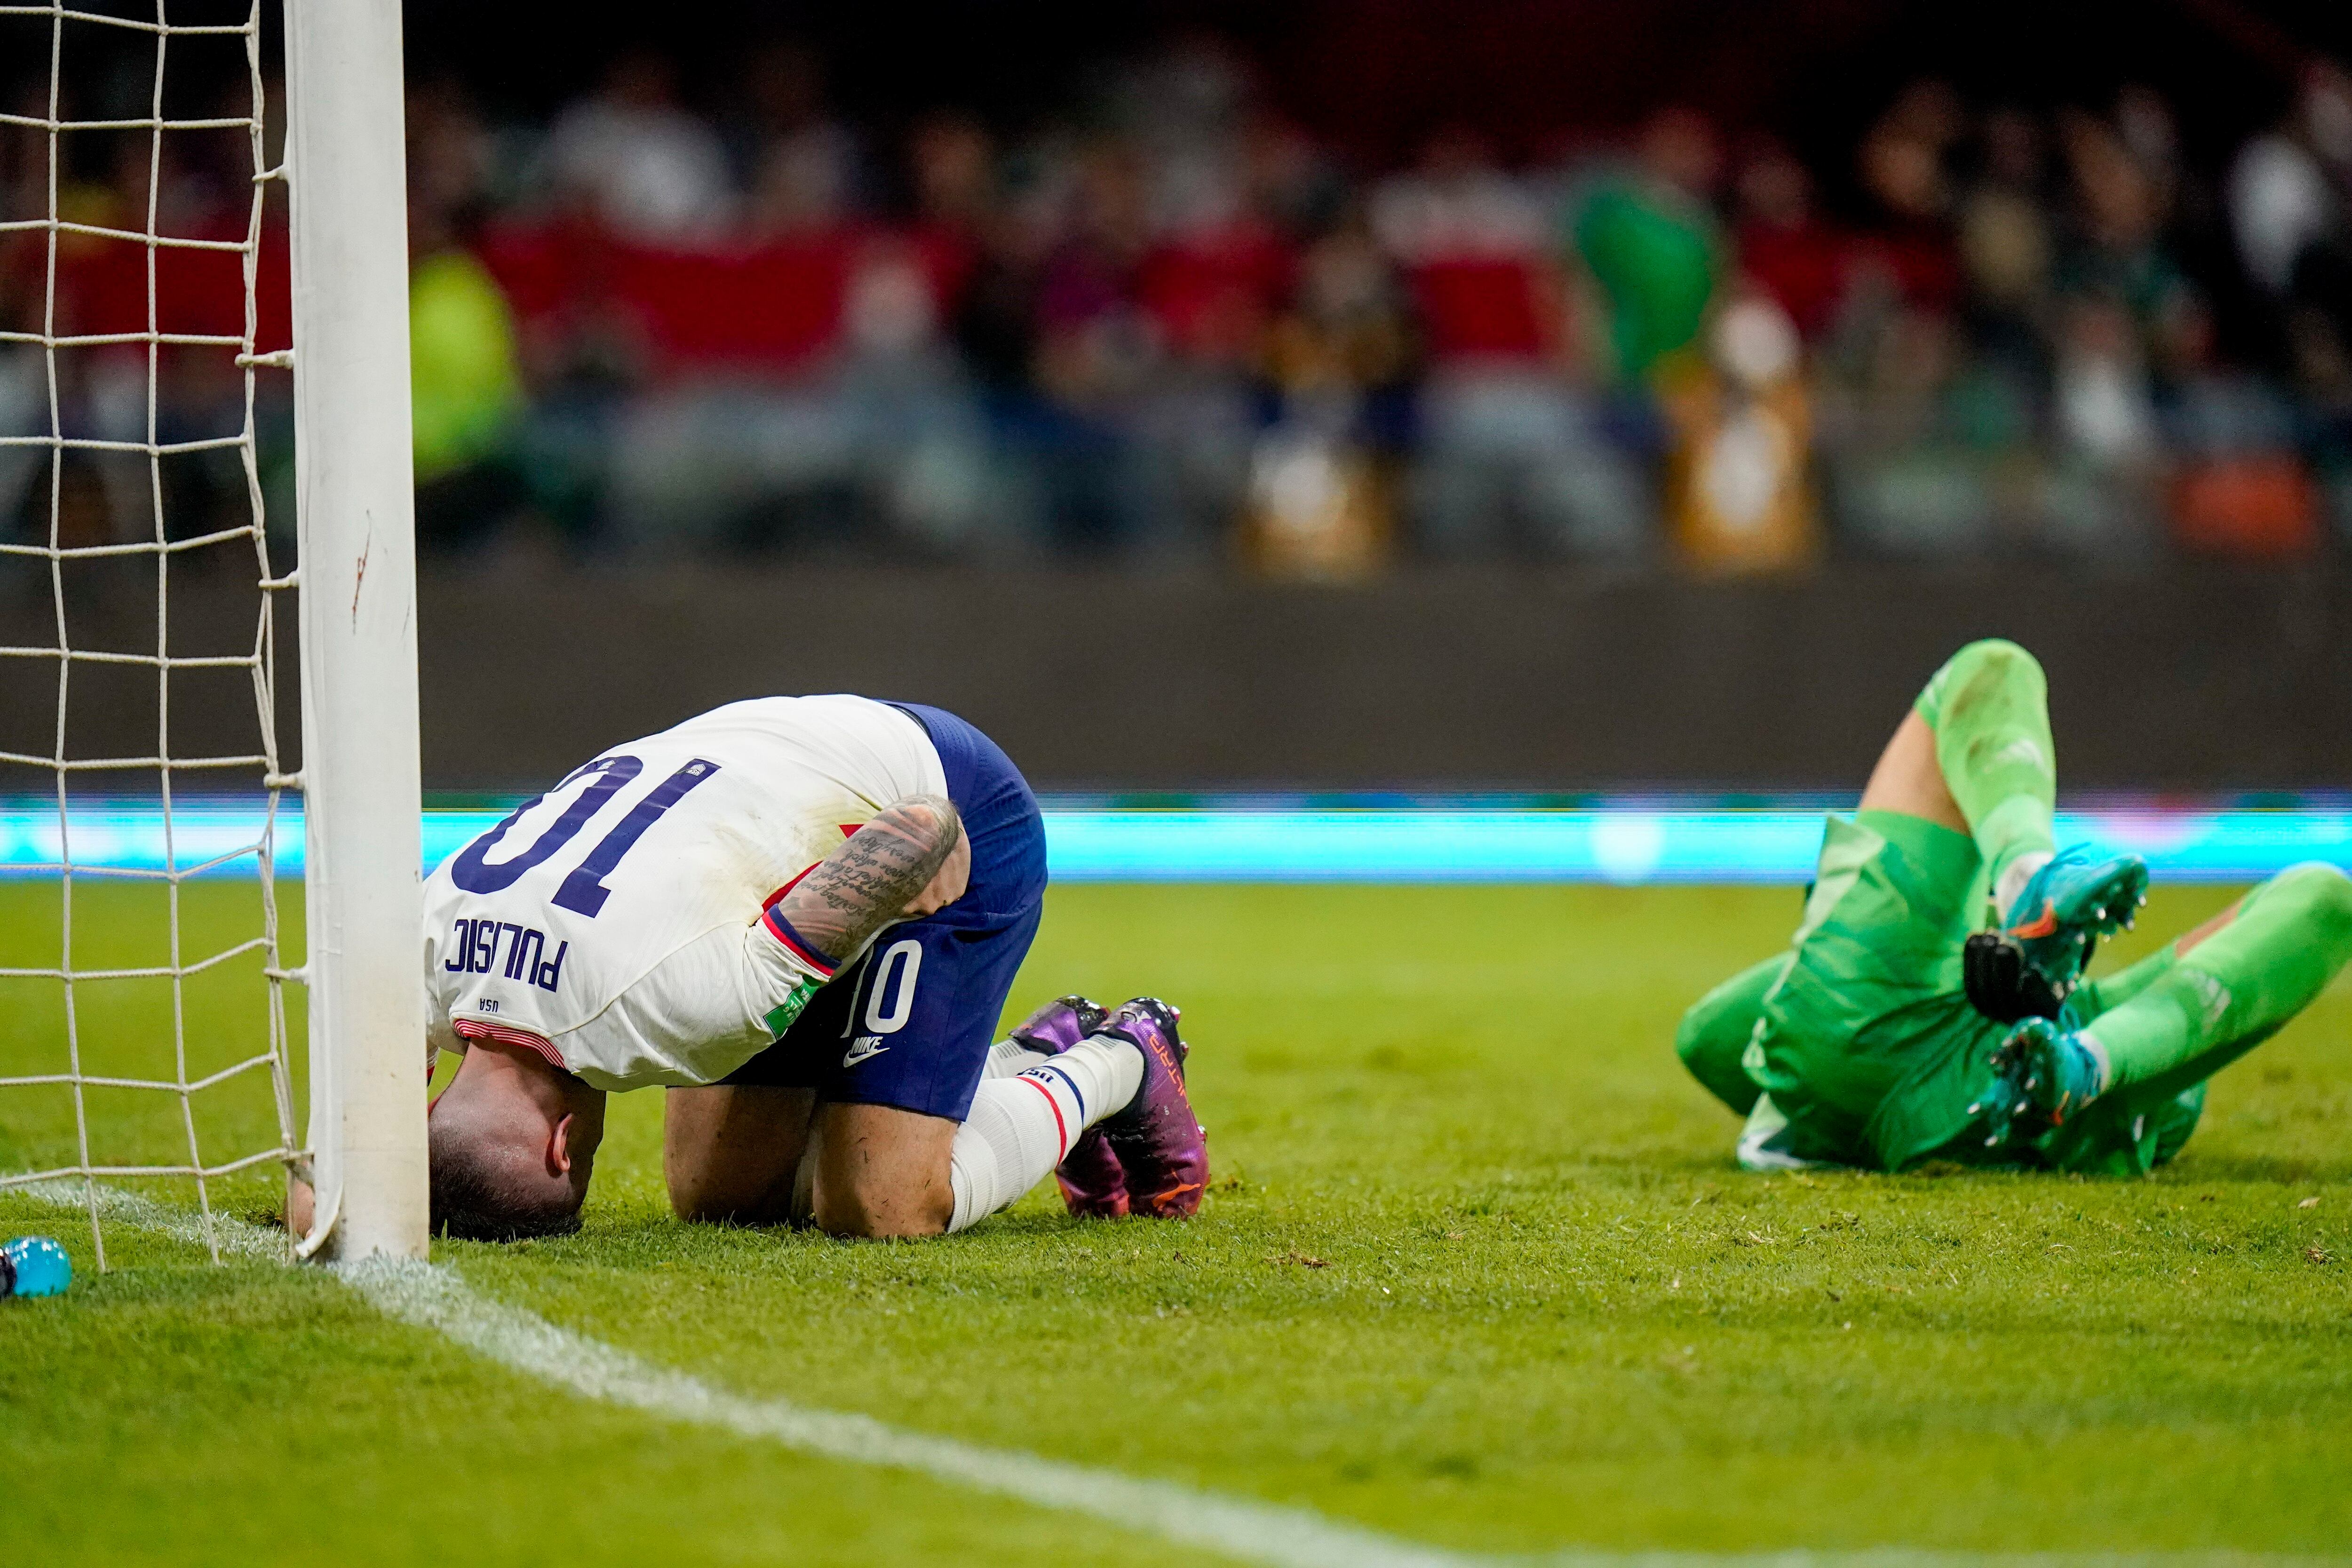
1990, 708
2178, 1018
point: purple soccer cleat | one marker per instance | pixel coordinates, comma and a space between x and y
1160, 1144
1093, 1185
1059, 1024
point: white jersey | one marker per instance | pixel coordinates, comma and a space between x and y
613, 924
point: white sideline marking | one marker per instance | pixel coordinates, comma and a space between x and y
234, 1235
433, 1295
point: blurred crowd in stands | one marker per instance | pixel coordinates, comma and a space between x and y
1171, 327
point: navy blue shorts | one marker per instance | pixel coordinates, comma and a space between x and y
910, 1024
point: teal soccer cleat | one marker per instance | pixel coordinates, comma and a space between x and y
2028, 968
2043, 1074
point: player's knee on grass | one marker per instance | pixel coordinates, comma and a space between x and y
731, 1152
883, 1173
881, 1213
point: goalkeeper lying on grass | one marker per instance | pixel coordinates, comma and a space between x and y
1896, 1030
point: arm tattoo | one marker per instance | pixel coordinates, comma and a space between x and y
864, 884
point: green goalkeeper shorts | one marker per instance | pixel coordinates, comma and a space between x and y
1867, 1034
1867, 1044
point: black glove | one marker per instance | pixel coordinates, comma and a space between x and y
1999, 984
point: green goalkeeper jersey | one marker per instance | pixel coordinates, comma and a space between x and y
1858, 1046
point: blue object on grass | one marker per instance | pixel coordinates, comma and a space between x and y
33, 1266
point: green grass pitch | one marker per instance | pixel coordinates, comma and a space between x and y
1477, 1271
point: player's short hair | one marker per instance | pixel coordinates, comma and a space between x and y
478, 1195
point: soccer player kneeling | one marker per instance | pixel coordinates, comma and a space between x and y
802, 915
1895, 1030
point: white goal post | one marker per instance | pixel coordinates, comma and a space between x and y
119, 309
346, 164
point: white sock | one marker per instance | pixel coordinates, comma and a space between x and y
1009, 1057
1021, 1126
2013, 878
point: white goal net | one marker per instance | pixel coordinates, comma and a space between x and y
148, 475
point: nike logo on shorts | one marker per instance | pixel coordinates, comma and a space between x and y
863, 1048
